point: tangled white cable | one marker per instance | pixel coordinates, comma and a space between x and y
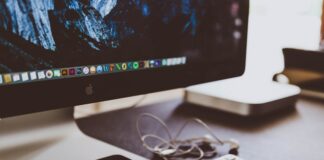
173, 148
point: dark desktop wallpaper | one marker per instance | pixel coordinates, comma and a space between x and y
45, 34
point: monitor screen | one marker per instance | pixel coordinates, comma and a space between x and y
54, 43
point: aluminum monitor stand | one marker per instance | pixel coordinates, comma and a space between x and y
243, 97
51, 135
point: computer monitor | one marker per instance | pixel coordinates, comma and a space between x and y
61, 53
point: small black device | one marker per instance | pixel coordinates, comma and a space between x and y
115, 157
305, 69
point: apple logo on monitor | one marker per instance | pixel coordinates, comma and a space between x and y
89, 90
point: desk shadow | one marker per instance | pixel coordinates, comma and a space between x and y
121, 124
253, 123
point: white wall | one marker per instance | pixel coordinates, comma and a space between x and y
275, 24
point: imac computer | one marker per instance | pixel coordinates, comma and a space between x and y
56, 54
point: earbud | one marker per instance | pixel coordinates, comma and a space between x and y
234, 146
166, 152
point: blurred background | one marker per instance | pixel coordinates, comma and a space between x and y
274, 25
277, 24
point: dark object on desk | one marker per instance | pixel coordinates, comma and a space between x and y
306, 69
304, 59
291, 134
116, 157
